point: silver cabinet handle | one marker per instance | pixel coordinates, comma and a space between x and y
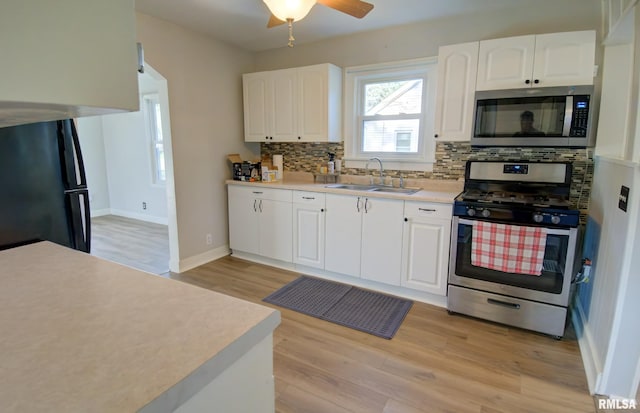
503, 303
254, 205
260, 205
358, 204
366, 205
257, 192
426, 210
308, 197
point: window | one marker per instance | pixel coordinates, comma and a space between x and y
153, 119
389, 112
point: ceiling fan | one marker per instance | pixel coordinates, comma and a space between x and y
288, 11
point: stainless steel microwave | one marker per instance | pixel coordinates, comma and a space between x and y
553, 116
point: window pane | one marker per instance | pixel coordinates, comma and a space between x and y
393, 98
158, 125
390, 135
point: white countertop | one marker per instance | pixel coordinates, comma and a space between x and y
81, 334
433, 190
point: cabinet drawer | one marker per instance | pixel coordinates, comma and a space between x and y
309, 198
260, 192
531, 315
414, 209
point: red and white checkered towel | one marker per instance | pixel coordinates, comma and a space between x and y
508, 248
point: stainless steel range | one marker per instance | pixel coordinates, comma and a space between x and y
513, 245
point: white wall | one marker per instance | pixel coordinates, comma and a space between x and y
423, 39
95, 165
205, 93
117, 156
606, 316
129, 169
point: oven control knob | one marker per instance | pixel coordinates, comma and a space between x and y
485, 213
538, 218
471, 212
555, 219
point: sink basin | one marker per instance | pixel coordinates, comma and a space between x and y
407, 191
353, 187
374, 188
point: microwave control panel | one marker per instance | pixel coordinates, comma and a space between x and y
580, 116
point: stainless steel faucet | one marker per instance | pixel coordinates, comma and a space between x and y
381, 170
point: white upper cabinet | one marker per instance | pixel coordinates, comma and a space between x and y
320, 103
457, 69
556, 59
67, 58
563, 59
270, 106
293, 105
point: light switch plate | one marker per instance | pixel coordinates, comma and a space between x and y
624, 198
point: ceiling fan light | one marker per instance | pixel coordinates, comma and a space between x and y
289, 9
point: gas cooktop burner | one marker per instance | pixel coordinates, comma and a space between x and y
515, 198
530, 193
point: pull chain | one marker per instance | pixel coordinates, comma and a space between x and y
291, 38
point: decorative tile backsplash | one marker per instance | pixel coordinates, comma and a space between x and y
451, 158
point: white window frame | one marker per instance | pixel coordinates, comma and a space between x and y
355, 79
152, 133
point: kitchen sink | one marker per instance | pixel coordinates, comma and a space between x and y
374, 188
353, 187
407, 191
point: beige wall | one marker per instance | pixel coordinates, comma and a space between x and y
205, 100
423, 39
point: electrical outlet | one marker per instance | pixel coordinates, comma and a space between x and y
209, 239
144, 205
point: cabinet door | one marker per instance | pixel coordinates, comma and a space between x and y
243, 220
276, 237
426, 254
457, 70
382, 223
312, 119
343, 228
308, 235
564, 59
505, 63
256, 99
284, 105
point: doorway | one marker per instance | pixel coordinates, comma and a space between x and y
129, 165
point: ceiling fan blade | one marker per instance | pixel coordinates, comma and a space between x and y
355, 8
274, 21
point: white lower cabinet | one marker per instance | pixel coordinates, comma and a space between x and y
390, 241
308, 228
425, 260
343, 234
364, 237
260, 221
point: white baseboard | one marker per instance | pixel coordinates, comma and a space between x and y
201, 259
424, 297
141, 217
100, 212
592, 366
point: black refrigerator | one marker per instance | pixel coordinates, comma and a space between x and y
43, 188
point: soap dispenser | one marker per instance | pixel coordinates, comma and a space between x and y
331, 166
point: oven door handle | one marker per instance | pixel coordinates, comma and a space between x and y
503, 304
550, 231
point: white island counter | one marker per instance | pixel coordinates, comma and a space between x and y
80, 334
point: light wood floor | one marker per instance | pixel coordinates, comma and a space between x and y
435, 363
138, 244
